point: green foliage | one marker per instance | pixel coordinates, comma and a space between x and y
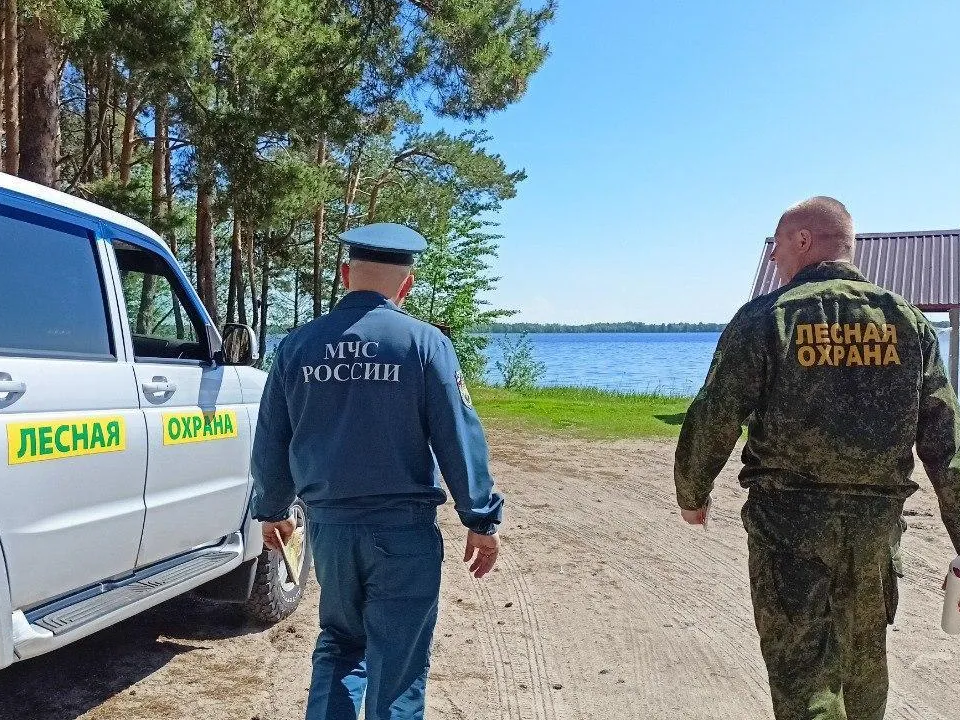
252, 91
157, 36
583, 412
518, 366
445, 186
451, 278
470, 351
266, 362
477, 56
276, 190
70, 18
151, 307
133, 199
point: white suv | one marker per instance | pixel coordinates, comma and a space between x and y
126, 424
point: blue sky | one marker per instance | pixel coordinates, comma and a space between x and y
663, 140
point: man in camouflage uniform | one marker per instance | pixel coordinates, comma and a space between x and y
837, 379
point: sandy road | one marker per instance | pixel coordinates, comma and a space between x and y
604, 605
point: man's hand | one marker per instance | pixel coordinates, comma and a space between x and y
483, 551
694, 517
284, 527
698, 516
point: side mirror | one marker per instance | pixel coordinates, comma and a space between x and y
239, 345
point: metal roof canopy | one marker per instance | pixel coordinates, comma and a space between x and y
923, 267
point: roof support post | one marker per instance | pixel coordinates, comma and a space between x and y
955, 347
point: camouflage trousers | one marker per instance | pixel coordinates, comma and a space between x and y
823, 579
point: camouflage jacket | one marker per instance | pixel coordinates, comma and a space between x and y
837, 380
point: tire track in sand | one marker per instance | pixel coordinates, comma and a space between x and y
491, 639
606, 526
540, 686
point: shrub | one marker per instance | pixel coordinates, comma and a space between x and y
518, 366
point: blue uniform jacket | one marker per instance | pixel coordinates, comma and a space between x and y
354, 403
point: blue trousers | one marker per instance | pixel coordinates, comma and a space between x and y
379, 576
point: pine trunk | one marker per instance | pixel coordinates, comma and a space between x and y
3, 60
319, 218
85, 172
264, 290
372, 204
296, 297
157, 196
205, 247
103, 107
40, 129
11, 88
157, 209
234, 296
167, 169
129, 133
241, 280
114, 107
148, 295
252, 277
163, 134
241, 296
350, 192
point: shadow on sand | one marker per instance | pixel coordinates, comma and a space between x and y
69, 682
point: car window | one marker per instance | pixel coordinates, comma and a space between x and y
162, 322
52, 301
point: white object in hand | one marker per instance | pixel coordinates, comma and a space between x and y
951, 600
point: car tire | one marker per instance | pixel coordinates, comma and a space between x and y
274, 596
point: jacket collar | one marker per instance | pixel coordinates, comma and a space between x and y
366, 299
832, 270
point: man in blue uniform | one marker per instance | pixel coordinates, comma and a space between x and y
357, 405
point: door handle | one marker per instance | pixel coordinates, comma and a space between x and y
10, 389
12, 386
159, 386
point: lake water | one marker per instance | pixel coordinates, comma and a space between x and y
674, 363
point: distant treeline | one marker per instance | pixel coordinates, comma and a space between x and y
622, 327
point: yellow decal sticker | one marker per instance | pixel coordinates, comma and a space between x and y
198, 426
847, 345
72, 437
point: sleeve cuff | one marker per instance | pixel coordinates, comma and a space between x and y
279, 517
686, 503
485, 528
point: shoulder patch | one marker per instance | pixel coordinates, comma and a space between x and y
464, 393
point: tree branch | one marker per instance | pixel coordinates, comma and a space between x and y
428, 7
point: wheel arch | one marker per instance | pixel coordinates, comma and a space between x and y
7, 655
252, 534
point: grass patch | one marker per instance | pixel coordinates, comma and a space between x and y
585, 412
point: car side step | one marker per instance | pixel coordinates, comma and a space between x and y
69, 617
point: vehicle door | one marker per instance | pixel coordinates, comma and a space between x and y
199, 432
73, 446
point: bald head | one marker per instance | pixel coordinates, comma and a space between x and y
816, 230
827, 220
391, 281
